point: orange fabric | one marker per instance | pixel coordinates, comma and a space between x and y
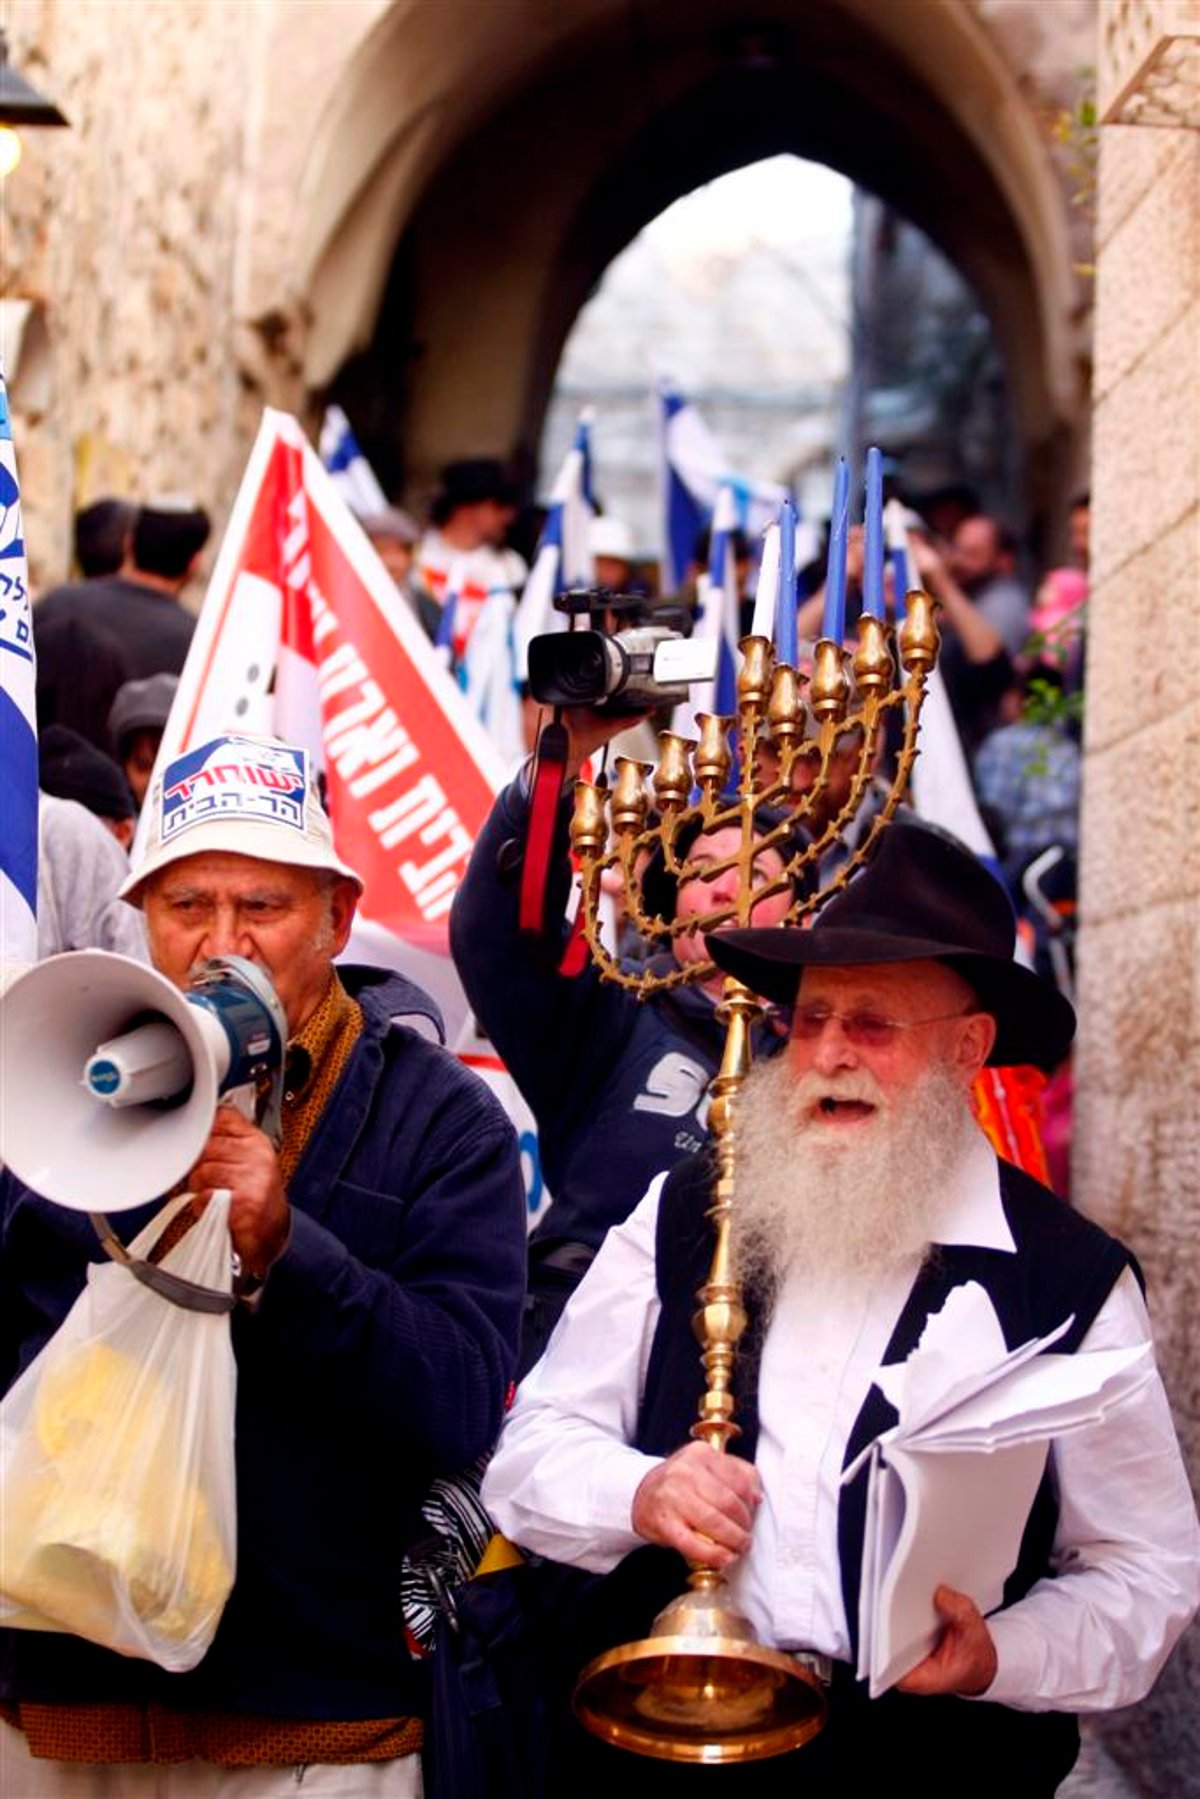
1007, 1103
104, 1734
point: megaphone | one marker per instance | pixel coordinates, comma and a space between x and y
110, 1076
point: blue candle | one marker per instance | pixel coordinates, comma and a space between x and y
785, 603
833, 621
873, 601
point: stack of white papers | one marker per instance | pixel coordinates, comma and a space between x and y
950, 1486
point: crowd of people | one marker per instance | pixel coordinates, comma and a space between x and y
389, 1300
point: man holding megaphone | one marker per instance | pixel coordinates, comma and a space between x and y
382, 1246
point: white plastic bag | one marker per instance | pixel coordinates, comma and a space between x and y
117, 1486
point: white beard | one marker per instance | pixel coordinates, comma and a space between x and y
839, 1204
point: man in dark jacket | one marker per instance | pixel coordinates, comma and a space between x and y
384, 1244
140, 607
619, 1089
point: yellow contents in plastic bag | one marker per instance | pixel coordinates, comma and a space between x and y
88, 1503
118, 1486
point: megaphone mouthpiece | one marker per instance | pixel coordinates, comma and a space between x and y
150, 1062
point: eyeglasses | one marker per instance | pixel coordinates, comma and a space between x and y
863, 1029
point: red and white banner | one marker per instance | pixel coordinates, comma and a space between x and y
303, 635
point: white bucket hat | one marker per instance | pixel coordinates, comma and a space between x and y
608, 536
250, 796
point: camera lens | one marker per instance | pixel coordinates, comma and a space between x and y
569, 668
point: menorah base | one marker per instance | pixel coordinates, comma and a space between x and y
700, 1688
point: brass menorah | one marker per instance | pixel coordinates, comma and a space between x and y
700, 1687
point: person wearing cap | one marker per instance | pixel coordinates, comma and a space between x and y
71, 768
864, 1196
382, 1251
394, 536
140, 606
135, 726
619, 1089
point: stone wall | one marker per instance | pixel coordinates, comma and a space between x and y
217, 227
124, 232
1138, 1124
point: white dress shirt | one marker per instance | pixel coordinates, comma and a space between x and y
1127, 1547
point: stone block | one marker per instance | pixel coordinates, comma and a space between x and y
1141, 623
1137, 997
1131, 161
1140, 829
1150, 272
1136, 1140
1146, 449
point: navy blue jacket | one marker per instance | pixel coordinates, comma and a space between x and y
619, 1088
380, 1355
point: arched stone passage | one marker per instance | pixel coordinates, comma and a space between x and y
446, 279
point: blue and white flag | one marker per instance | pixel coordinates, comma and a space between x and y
18, 721
349, 469
564, 558
693, 470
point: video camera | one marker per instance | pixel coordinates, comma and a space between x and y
644, 664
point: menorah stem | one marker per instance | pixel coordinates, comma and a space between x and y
721, 1319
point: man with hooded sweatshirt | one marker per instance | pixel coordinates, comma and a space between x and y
619, 1089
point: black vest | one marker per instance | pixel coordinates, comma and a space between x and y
1064, 1265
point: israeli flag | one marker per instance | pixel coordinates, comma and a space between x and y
18, 722
352, 474
563, 558
692, 471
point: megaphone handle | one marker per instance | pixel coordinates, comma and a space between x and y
173, 1287
246, 1099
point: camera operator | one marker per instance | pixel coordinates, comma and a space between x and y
619, 1088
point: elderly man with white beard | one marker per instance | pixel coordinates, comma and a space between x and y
865, 1194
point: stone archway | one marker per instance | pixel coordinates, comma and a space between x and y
465, 196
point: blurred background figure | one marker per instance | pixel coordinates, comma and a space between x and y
81, 867
394, 536
983, 560
470, 517
101, 536
611, 543
135, 726
126, 625
71, 768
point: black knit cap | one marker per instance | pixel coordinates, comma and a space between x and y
71, 768
922, 897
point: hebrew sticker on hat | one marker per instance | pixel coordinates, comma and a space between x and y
248, 796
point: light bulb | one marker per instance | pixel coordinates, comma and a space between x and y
10, 150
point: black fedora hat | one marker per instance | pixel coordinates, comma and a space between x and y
922, 897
